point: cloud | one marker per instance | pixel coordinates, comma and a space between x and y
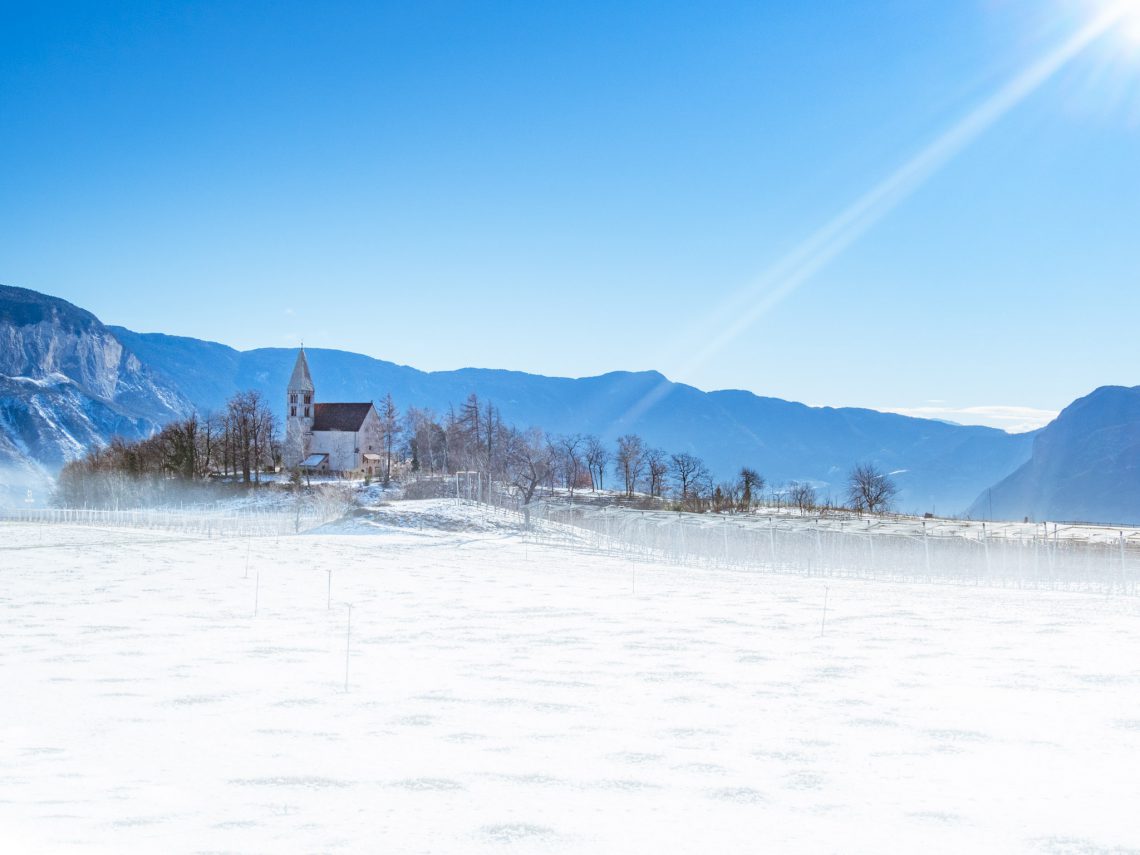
1008, 418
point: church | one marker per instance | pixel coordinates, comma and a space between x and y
344, 439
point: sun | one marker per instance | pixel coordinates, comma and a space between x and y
1129, 11
1119, 20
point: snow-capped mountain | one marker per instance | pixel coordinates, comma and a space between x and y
66, 384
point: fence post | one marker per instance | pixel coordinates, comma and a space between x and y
1123, 567
986, 544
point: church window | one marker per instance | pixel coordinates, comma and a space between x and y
293, 398
308, 398
306, 412
292, 411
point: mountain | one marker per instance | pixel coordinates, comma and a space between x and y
938, 466
1085, 465
67, 383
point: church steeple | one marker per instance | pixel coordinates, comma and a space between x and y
301, 381
299, 412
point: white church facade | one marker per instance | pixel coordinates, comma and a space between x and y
340, 438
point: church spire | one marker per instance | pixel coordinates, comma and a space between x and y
301, 381
300, 412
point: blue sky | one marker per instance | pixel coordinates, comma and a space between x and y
582, 187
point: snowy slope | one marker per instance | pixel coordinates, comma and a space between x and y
175, 694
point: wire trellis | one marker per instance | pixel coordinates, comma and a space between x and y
1030, 557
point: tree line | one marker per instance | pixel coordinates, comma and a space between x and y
239, 442
474, 438
243, 440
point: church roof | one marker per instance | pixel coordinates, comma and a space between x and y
340, 416
301, 381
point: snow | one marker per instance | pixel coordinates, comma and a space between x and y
513, 695
48, 381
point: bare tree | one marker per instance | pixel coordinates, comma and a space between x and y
597, 459
426, 441
211, 443
179, 448
492, 430
689, 471
726, 496
390, 428
802, 495
252, 430
751, 486
471, 428
657, 465
870, 489
528, 461
570, 461
630, 461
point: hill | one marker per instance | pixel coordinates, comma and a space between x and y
1085, 465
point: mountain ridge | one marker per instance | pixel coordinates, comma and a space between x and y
148, 377
729, 428
1084, 465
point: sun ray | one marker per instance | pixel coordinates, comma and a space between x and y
745, 307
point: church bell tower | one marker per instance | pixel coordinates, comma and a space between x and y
299, 404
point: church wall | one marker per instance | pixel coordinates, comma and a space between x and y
339, 445
371, 434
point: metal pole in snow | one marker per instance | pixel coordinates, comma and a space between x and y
256, 592
986, 544
1123, 576
926, 545
823, 620
772, 540
347, 643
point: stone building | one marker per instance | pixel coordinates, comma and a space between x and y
334, 438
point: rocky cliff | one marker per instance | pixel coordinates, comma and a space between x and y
66, 384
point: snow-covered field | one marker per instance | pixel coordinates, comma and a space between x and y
513, 696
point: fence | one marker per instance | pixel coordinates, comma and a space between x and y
206, 522
897, 549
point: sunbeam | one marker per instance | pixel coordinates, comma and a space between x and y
744, 308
